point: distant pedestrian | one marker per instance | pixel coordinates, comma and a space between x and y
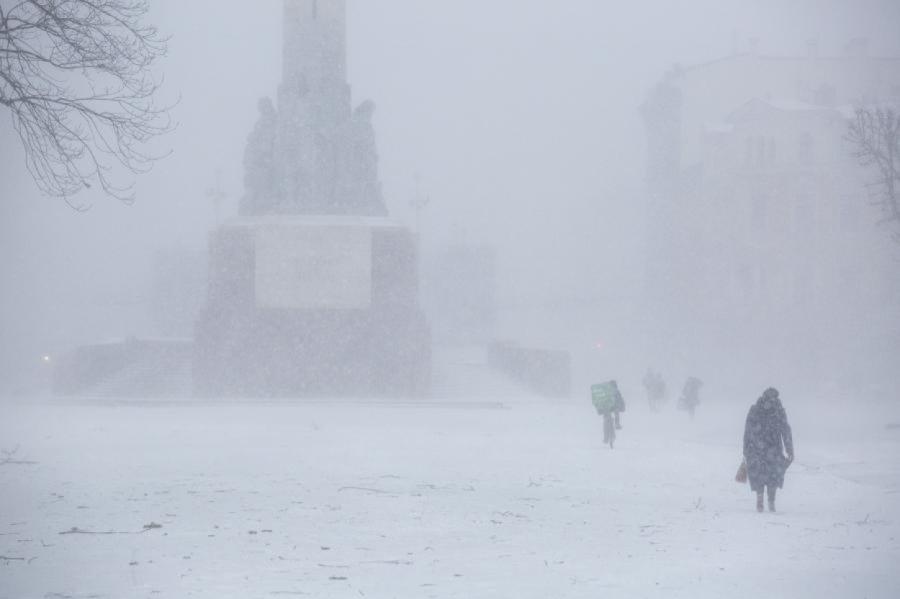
618, 406
768, 447
608, 402
690, 395
656, 389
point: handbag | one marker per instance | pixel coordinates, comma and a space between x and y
741, 476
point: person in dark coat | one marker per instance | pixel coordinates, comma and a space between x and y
656, 389
690, 395
768, 446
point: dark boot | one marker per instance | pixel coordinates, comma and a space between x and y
771, 499
759, 502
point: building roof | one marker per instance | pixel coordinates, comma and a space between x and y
745, 56
759, 106
303, 220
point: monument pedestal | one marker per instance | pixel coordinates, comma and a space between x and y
312, 306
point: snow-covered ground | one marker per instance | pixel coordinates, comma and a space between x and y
480, 497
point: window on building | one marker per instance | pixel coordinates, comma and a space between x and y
804, 215
744, 276
760, 209
803, 287
849, 277
887, 288
763, 286
825, 95
779, 215
748, 152
770, 151
805, 148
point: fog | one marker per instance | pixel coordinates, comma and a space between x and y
576, 192
518, 121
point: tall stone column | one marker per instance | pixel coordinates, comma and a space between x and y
314, 104
315, 42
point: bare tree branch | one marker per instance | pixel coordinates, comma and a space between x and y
874, 135
76, 77
7, 456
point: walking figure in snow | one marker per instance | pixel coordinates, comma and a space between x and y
768, 447
618, 407
656, 389
609, 403
690, 395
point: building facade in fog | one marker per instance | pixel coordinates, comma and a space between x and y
760, 235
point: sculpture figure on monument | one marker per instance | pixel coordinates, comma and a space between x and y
359, 188
313, 154
259, 162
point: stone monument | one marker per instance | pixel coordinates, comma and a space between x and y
313, 290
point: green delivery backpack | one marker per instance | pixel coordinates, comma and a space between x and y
603, 396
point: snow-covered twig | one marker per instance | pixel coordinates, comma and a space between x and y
364, 489
8, 455
77, 531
